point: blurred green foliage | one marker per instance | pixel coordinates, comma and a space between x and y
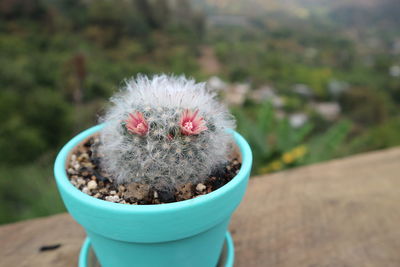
28, 191
277, 145
379, 137
61, 60
268, 136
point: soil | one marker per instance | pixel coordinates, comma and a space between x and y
85, 173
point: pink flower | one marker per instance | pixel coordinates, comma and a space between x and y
136, 124
191, 124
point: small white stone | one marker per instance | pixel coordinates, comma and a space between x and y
80, 181
200, 187
155, 194
92, 185
113, 192
112, 198
85, 190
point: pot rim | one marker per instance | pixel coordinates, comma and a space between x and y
63, 181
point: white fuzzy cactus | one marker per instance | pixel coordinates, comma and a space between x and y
165, 131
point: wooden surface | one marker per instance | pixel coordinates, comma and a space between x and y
341, 213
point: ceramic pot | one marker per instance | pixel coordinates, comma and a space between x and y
185, 233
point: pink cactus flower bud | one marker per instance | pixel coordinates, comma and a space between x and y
136, 124
191, 124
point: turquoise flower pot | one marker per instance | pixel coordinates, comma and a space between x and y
187, 233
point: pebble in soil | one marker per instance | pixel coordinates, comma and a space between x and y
85, 173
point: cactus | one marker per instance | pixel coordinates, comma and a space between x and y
165, 131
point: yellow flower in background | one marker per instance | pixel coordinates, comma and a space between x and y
300, 151
288, 157
276, 165
294, 154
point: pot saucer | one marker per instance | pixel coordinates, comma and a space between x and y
87, 258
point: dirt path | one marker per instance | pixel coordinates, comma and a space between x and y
208, 61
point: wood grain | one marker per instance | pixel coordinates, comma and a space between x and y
336, 214
20, 243
340, 213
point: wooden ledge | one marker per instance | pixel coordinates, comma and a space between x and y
344, 212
